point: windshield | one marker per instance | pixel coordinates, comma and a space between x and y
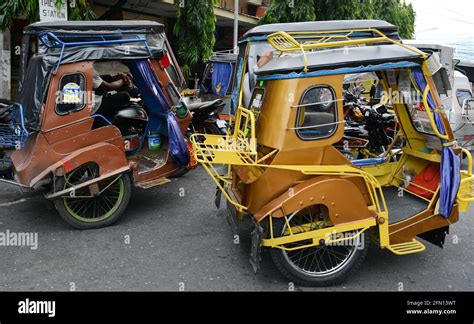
363, 84
259, 55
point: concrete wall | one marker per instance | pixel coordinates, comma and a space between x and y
243, 5
5, 65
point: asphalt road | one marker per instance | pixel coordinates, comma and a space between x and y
169, 241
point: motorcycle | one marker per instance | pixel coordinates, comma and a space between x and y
206, 117
365, 133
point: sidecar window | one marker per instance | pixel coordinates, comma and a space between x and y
317, 113
71, 93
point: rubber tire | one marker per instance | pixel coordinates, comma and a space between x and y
306, 281
74, 222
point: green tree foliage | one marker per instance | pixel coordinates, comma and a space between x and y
343, 9
195, 26
282, 11
29, 9
396, 12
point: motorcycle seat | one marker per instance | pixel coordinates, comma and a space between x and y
202, 105
132, 112
369, 162
130, 117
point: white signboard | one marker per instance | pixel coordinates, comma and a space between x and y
49, 12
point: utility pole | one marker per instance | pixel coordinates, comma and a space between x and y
236, 26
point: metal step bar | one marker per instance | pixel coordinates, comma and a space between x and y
404, 248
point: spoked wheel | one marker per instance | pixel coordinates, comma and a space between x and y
321, 265
94, 206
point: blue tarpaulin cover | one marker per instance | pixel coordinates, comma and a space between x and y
177, 146
450, 162
161, 119
221, 75
145, 80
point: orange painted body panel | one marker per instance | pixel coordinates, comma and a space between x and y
273, 130
321, 190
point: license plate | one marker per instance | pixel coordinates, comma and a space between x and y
221, 123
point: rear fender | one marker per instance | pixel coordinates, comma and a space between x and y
107, 156
342, 198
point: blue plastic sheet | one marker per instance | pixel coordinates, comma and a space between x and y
450, 162
221, 75
177, 146
147, 83
369, 162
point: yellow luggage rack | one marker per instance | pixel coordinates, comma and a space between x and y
288, 42
238, 148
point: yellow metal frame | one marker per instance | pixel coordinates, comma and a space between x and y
404, 248
286, 42
430, 115
466, 188
317, 235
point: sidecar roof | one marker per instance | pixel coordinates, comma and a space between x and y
66, 42
321, 26
63, 42
73, 41
224, 58
95, 27
340, 61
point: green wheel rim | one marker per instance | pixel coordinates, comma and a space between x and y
96, 209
